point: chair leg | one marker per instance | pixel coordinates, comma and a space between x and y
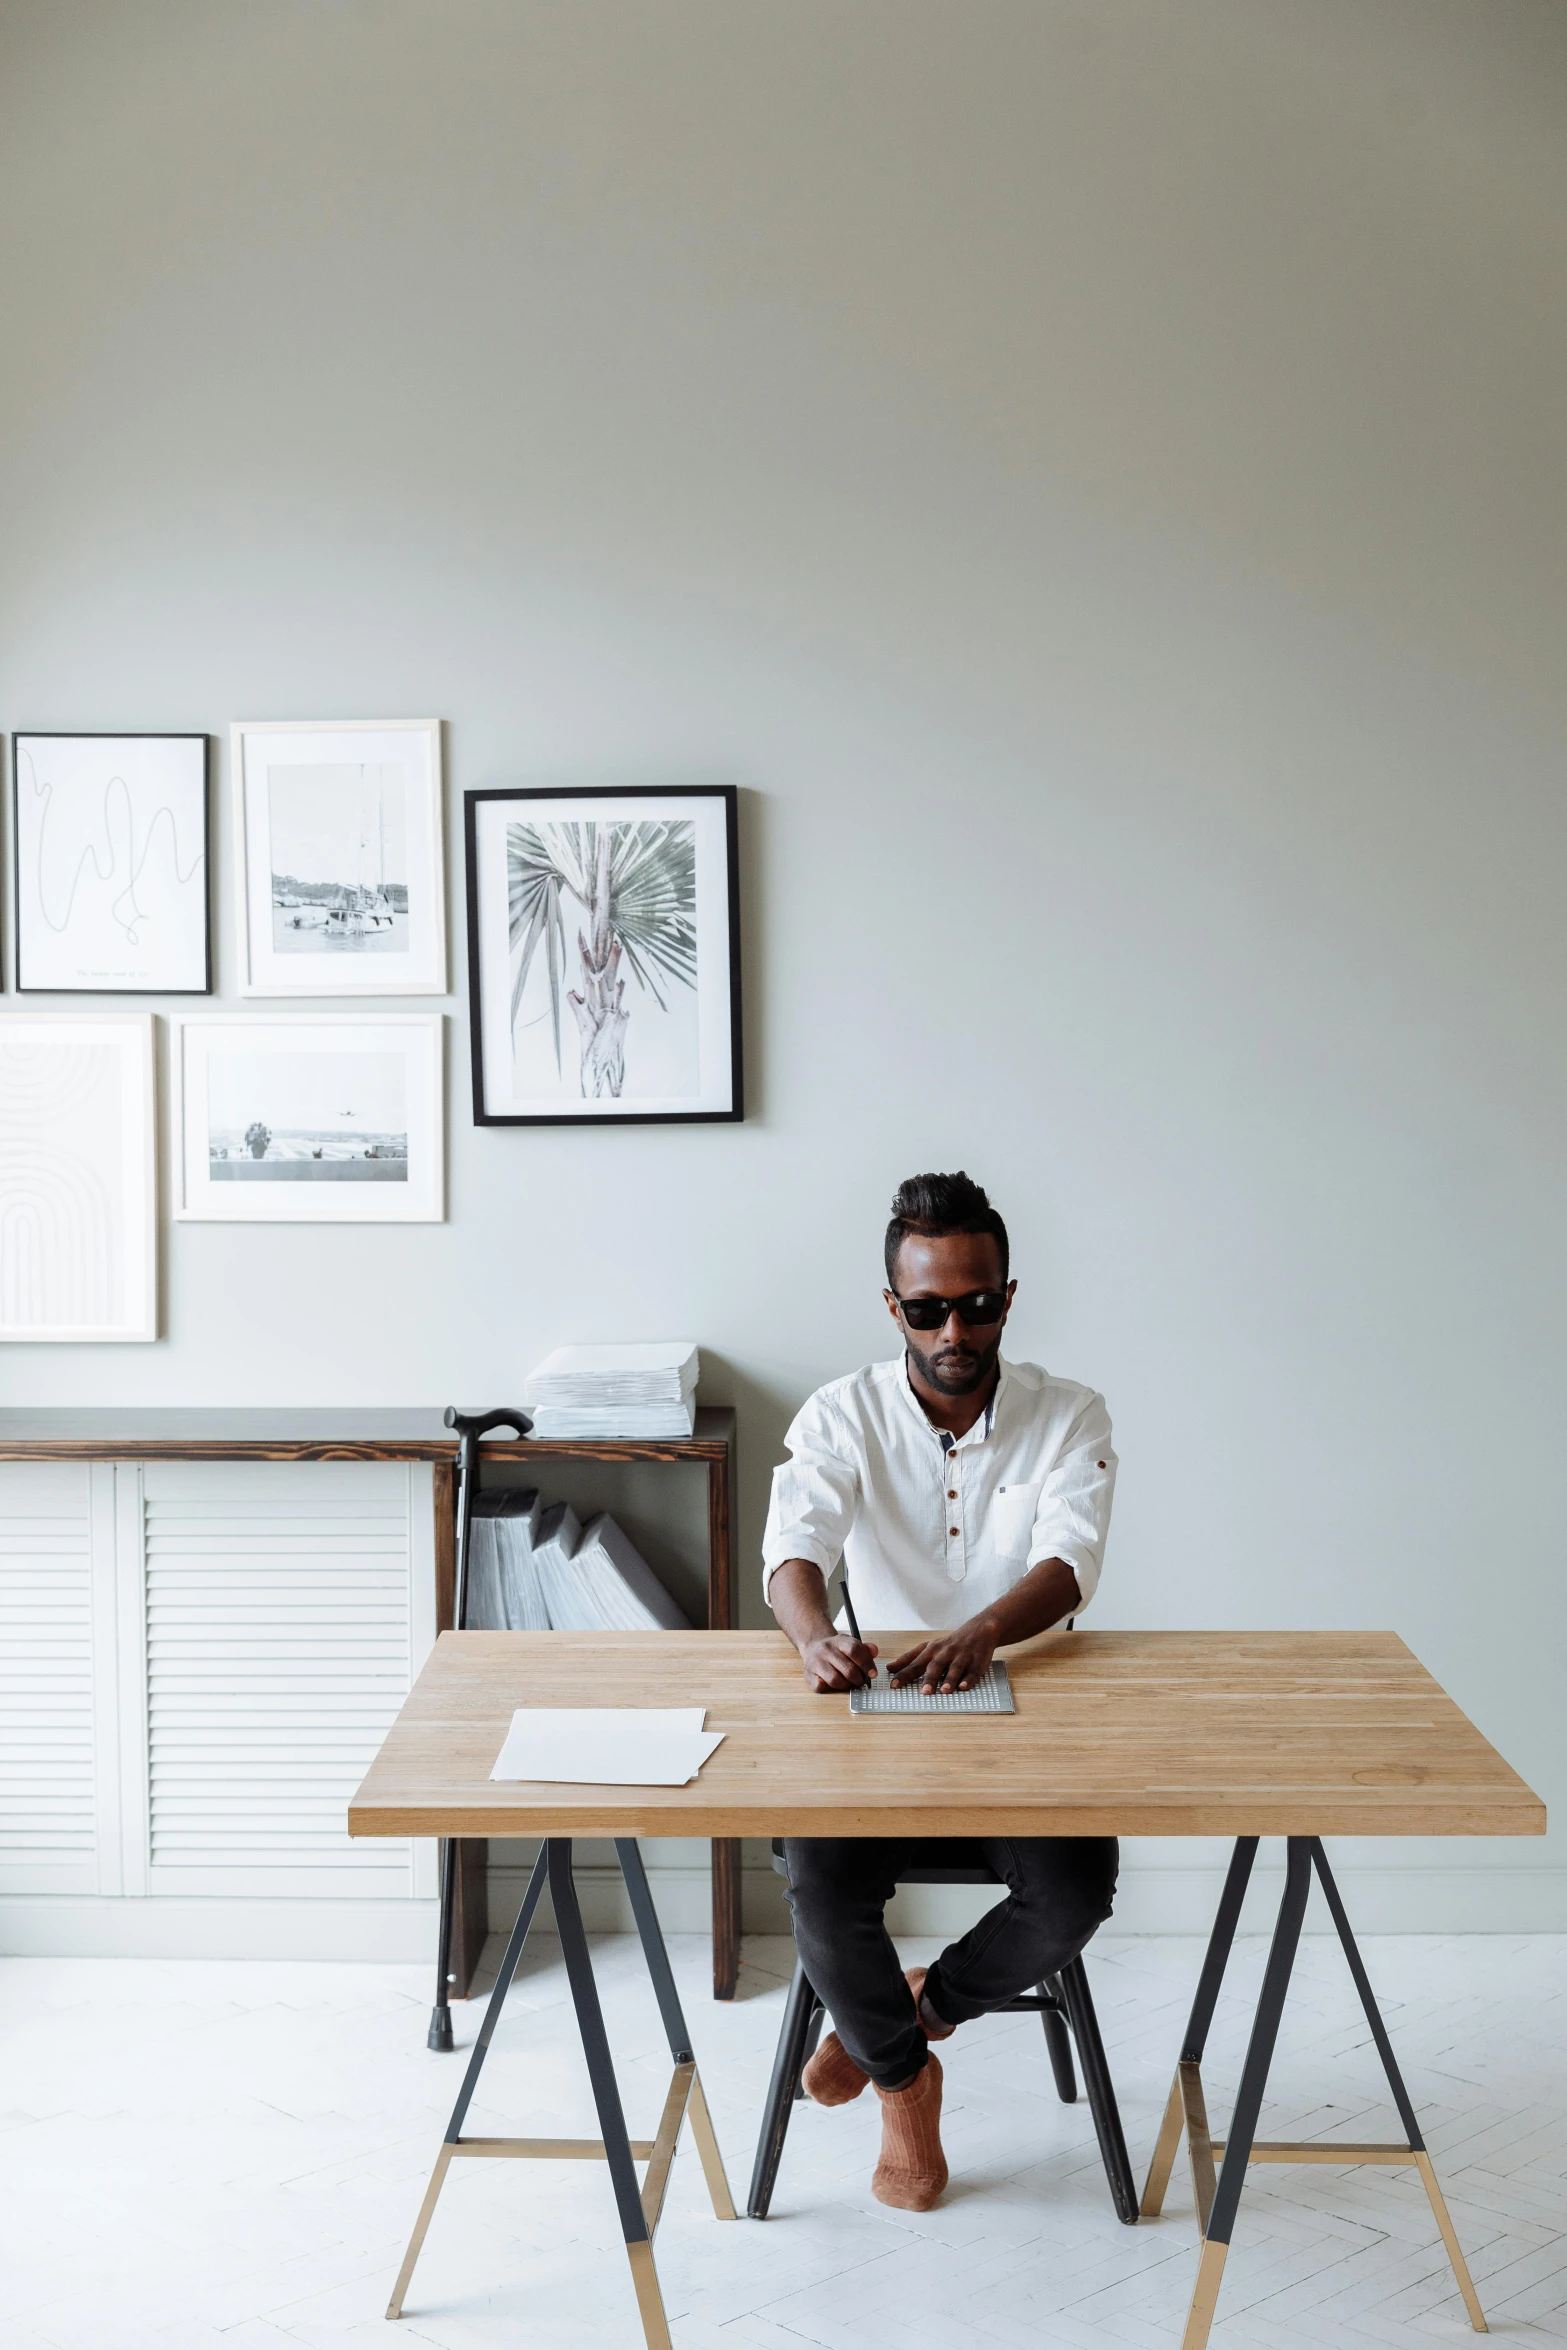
1058, 2040
813, 2033
801, 2010
1100, 2088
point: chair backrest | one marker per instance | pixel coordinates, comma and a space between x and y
973, 1872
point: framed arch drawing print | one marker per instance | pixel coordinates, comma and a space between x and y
78, 1181
604, 955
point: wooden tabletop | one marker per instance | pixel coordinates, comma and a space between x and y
417, 1434
1116, 1733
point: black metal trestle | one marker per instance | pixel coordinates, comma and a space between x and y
1218, 2192
638, 2207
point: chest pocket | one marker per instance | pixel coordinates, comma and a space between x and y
1012, 1519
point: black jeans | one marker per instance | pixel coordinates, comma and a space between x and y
1060, 1889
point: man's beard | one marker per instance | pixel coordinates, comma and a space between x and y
952, 1372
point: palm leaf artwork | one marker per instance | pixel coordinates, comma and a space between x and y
636, 887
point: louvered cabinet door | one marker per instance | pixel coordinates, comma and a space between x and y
286, 1608
59, 1798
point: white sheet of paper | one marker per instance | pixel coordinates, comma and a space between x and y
607, 1745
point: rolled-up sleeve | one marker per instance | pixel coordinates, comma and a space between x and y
815, 1497
1073, 1516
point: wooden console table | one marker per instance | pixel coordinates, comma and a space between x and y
420, 1435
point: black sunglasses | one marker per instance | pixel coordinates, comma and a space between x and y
929, 1313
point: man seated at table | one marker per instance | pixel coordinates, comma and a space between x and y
969, 1497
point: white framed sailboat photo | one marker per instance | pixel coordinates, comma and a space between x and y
341, 868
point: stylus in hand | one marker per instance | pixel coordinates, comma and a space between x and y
855, 1633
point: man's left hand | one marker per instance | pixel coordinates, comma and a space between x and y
950, 1660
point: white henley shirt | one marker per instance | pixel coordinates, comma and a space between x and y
930, 1535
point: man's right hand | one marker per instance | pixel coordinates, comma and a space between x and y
834, 1661
798, 1593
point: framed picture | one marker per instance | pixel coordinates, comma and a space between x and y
303, 1120
78, 1177
340, 868
603, 955
109, 836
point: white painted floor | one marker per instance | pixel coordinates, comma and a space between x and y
198, 2155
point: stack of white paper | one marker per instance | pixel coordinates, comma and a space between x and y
648, 1389
613, 1587
503, 1594
533, 1570
556, 1537
486, 1608
515, 1531
607, 1745
503, 1586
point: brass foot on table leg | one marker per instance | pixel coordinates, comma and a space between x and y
1199, 2143
1185, 2113
663, 2154
1205, 2296
1186, 2110
1164, 2153
707, 2147
394, 2307
650, 2301
1450, 2239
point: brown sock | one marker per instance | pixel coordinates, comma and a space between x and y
913, 2170
832, 2077
930, 2022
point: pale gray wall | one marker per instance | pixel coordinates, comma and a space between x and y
1093, 475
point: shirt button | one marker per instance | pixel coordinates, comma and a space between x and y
952, 1491
952, 1530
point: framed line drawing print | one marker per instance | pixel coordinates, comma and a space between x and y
306, 1119
340, 865
109, 839
78, 1177
603, 955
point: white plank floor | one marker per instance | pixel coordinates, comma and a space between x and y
195, 2155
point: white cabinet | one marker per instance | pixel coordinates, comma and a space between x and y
58, 1829
197, 1663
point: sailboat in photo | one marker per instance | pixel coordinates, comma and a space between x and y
364, 911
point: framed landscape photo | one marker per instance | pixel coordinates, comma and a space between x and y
110, 844
603, 955
78, 1177
309, 1120
339, 860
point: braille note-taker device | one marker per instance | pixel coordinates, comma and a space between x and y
991, 1694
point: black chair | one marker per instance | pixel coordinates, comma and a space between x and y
1062, 2003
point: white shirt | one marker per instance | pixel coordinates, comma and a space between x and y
930, 1536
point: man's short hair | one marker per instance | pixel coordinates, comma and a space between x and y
933, 1206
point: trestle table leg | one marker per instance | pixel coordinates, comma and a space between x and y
1185, 2107
1395, 2081
606, 2095
629, 1854
638, 2208
481, 2049
1248, 2102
